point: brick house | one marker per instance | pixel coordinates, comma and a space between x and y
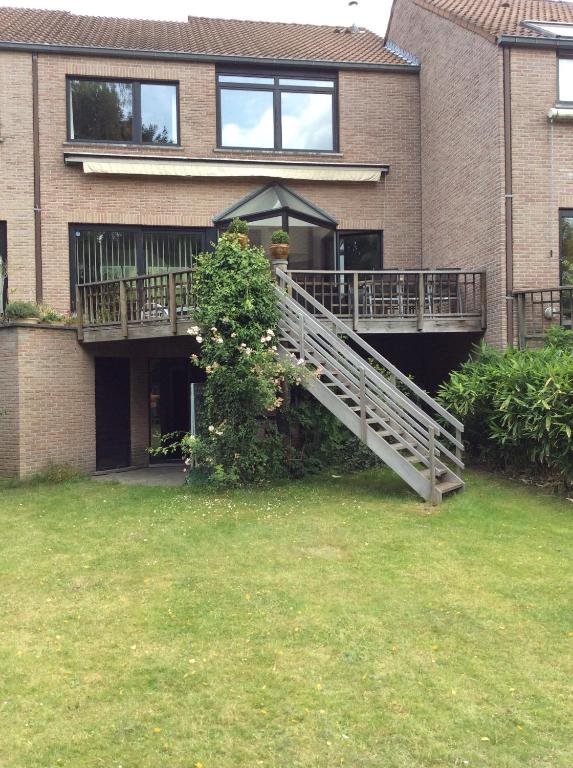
127, 145
496, 90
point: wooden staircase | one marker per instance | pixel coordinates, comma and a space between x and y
390, 414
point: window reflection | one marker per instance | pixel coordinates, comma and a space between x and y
360, 250
307, 120
158, 114
101, 111
247, 119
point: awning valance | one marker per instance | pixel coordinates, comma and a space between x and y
212, 169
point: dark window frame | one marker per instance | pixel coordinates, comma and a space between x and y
207, 235
276, 90
349, 232
136, 114
564, 213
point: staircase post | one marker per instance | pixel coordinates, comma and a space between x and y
301, 336
432, 464
363, 424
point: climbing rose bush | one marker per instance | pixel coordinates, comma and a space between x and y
236, 333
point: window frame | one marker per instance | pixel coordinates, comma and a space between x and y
349, 232
136, 107
277, 90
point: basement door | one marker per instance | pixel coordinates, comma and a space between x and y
113, 443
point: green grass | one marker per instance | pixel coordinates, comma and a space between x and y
332, 622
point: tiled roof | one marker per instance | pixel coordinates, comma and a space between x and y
200, 36
501, 17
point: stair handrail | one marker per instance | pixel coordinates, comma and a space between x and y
285, 280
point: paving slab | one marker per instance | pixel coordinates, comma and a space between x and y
171, 475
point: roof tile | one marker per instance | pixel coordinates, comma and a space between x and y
501, 17
199, 35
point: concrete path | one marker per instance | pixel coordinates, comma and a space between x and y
171, 474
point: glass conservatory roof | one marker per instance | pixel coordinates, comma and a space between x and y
274, 199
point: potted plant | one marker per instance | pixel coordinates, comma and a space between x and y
239, 228
279, 245
23, 312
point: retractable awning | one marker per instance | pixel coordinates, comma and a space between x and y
227, 169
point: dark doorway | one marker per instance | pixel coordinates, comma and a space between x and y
168, 401
113, 443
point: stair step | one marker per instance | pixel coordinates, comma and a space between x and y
439, 473
449, 486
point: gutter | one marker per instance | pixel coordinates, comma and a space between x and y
136, 53
536, 42
38, 268
508, 192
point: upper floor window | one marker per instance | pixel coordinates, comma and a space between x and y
123, 111
277, 112
565, 79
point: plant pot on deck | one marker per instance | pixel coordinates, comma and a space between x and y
243, 240
279, 251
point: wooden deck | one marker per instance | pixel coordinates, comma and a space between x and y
375, 301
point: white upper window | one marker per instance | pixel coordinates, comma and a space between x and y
565, 79
550, 28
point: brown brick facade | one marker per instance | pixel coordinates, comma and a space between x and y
461, 105
379, 122
47, 391
542, 168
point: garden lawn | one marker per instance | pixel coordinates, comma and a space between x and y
332, 622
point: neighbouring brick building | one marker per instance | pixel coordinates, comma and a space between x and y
126, 145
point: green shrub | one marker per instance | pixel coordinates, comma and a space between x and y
19, 310
238, 227
517, 406
280, 237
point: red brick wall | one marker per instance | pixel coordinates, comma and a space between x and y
379, 122
461, 106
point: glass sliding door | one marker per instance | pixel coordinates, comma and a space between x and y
100, 253
104, 254
169, 251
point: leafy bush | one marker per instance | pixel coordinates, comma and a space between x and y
238, 227
19, 310
518, 406
280, 237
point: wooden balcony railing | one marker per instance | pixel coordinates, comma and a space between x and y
369, 302
537, 310
163, 298
437, 300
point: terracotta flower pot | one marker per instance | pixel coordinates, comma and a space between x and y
279, 251
243, 240
27, 320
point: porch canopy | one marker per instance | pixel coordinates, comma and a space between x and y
273, 207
